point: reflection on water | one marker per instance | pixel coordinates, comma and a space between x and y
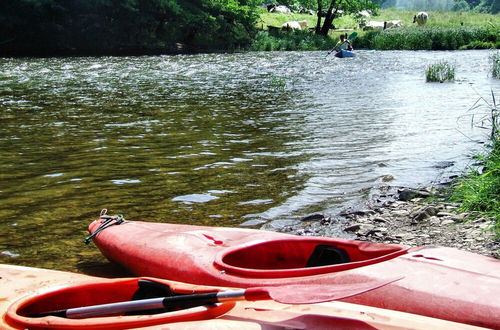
217, 139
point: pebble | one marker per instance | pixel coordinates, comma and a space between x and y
412, 222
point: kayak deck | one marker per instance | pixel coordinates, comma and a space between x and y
437, 282
56, 291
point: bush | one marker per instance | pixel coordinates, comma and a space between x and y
440, 72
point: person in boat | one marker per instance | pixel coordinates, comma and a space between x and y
344, 43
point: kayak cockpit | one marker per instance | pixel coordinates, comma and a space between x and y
303, 256
49, 309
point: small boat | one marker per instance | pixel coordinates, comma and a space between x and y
30, 295
438, 282
345, 53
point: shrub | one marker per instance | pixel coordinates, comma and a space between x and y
440, 72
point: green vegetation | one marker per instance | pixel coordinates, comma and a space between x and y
427, 38
444, 31
81, 27
496, 65
442, 18
50, 27
440, 72
479, 192
297, 40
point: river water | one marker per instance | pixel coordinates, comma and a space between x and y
220, 139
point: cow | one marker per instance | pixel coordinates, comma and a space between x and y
364, 13
294, 25
421, 18
280, 10
303, 10
372, 25
395, 23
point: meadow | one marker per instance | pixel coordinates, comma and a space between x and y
444, 31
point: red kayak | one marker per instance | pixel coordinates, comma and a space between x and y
438, 282
29, 297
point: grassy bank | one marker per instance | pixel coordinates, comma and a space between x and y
444, 31
430, 38
479, 191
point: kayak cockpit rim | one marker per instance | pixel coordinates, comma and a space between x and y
20, 313
302, 256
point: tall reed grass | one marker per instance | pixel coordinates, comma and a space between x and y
440, 72
496, 65
425, 38
479, 192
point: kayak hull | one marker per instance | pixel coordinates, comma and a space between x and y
60, 290
438, 282
345, 53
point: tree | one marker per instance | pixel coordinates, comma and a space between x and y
460, 5
49, 27
335, 8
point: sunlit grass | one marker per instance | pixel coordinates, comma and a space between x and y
444, 31
441, 19
479, 192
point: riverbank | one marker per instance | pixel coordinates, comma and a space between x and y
413, 217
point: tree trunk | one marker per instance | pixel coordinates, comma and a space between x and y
330, 15
318, 22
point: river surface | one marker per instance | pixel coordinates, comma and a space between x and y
220, 139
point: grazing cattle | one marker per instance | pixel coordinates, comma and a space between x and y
280, 10
364, 13
421, 18
395, 23
303, 10
372, 25
294, 25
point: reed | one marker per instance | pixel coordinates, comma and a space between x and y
440, 72
496, 65
426, 38
479, 191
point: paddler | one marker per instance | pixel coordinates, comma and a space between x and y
343, 44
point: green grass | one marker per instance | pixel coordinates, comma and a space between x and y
442, 19
479, 192
440, 72
436, 18
444, 31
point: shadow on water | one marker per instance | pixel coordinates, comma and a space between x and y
217, 139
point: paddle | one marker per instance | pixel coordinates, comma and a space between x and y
290, 294
351, 37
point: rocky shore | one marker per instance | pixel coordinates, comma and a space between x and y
402, 216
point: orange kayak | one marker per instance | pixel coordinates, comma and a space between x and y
437, 282
26, 292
